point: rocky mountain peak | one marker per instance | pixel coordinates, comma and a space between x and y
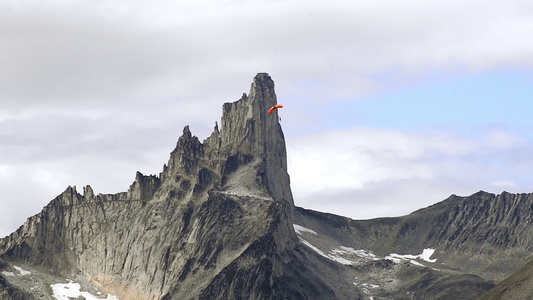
246, 125
216, 223
249, 136
247, 128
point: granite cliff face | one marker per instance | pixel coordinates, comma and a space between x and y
216, 223
219, 222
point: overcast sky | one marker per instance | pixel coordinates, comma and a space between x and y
390, 106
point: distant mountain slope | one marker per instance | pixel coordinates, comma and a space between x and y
488, 234
483, 233
474, 240
519, 286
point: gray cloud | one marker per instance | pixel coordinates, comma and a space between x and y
98, 52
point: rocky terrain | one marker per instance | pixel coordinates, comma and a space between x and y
474, 242
219, 222
517, 286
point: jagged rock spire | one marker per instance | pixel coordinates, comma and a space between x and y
248, 128
246, 125
248, 135
217, 223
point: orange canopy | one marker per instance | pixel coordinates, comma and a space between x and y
273, 108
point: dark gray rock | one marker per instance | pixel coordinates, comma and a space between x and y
9, 292
517, 287
478, 240
216, 223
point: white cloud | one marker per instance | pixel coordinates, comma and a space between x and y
365, 173
102, 51
502, 139
354, 157
504, 184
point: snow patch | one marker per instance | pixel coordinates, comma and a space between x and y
414, 262
313, 247
331, 255
370, 285
299, 229
22, 272
19, 272
341, 260
425, 255
397, 258
65, 291
343, 254
359, 253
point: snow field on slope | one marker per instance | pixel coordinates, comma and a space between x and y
341, 254
299, 229
6, 273
61, 291
20, 271
66, 291
425, 255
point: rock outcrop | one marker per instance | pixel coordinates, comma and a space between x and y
216, 223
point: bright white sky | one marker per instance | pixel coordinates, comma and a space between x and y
390, 106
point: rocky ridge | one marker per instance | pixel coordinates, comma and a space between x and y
216, 223
474, 241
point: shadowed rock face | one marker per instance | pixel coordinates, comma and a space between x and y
8, 291
517, 287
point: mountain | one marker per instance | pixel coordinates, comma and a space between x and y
464, 244
219, 222
216, 223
